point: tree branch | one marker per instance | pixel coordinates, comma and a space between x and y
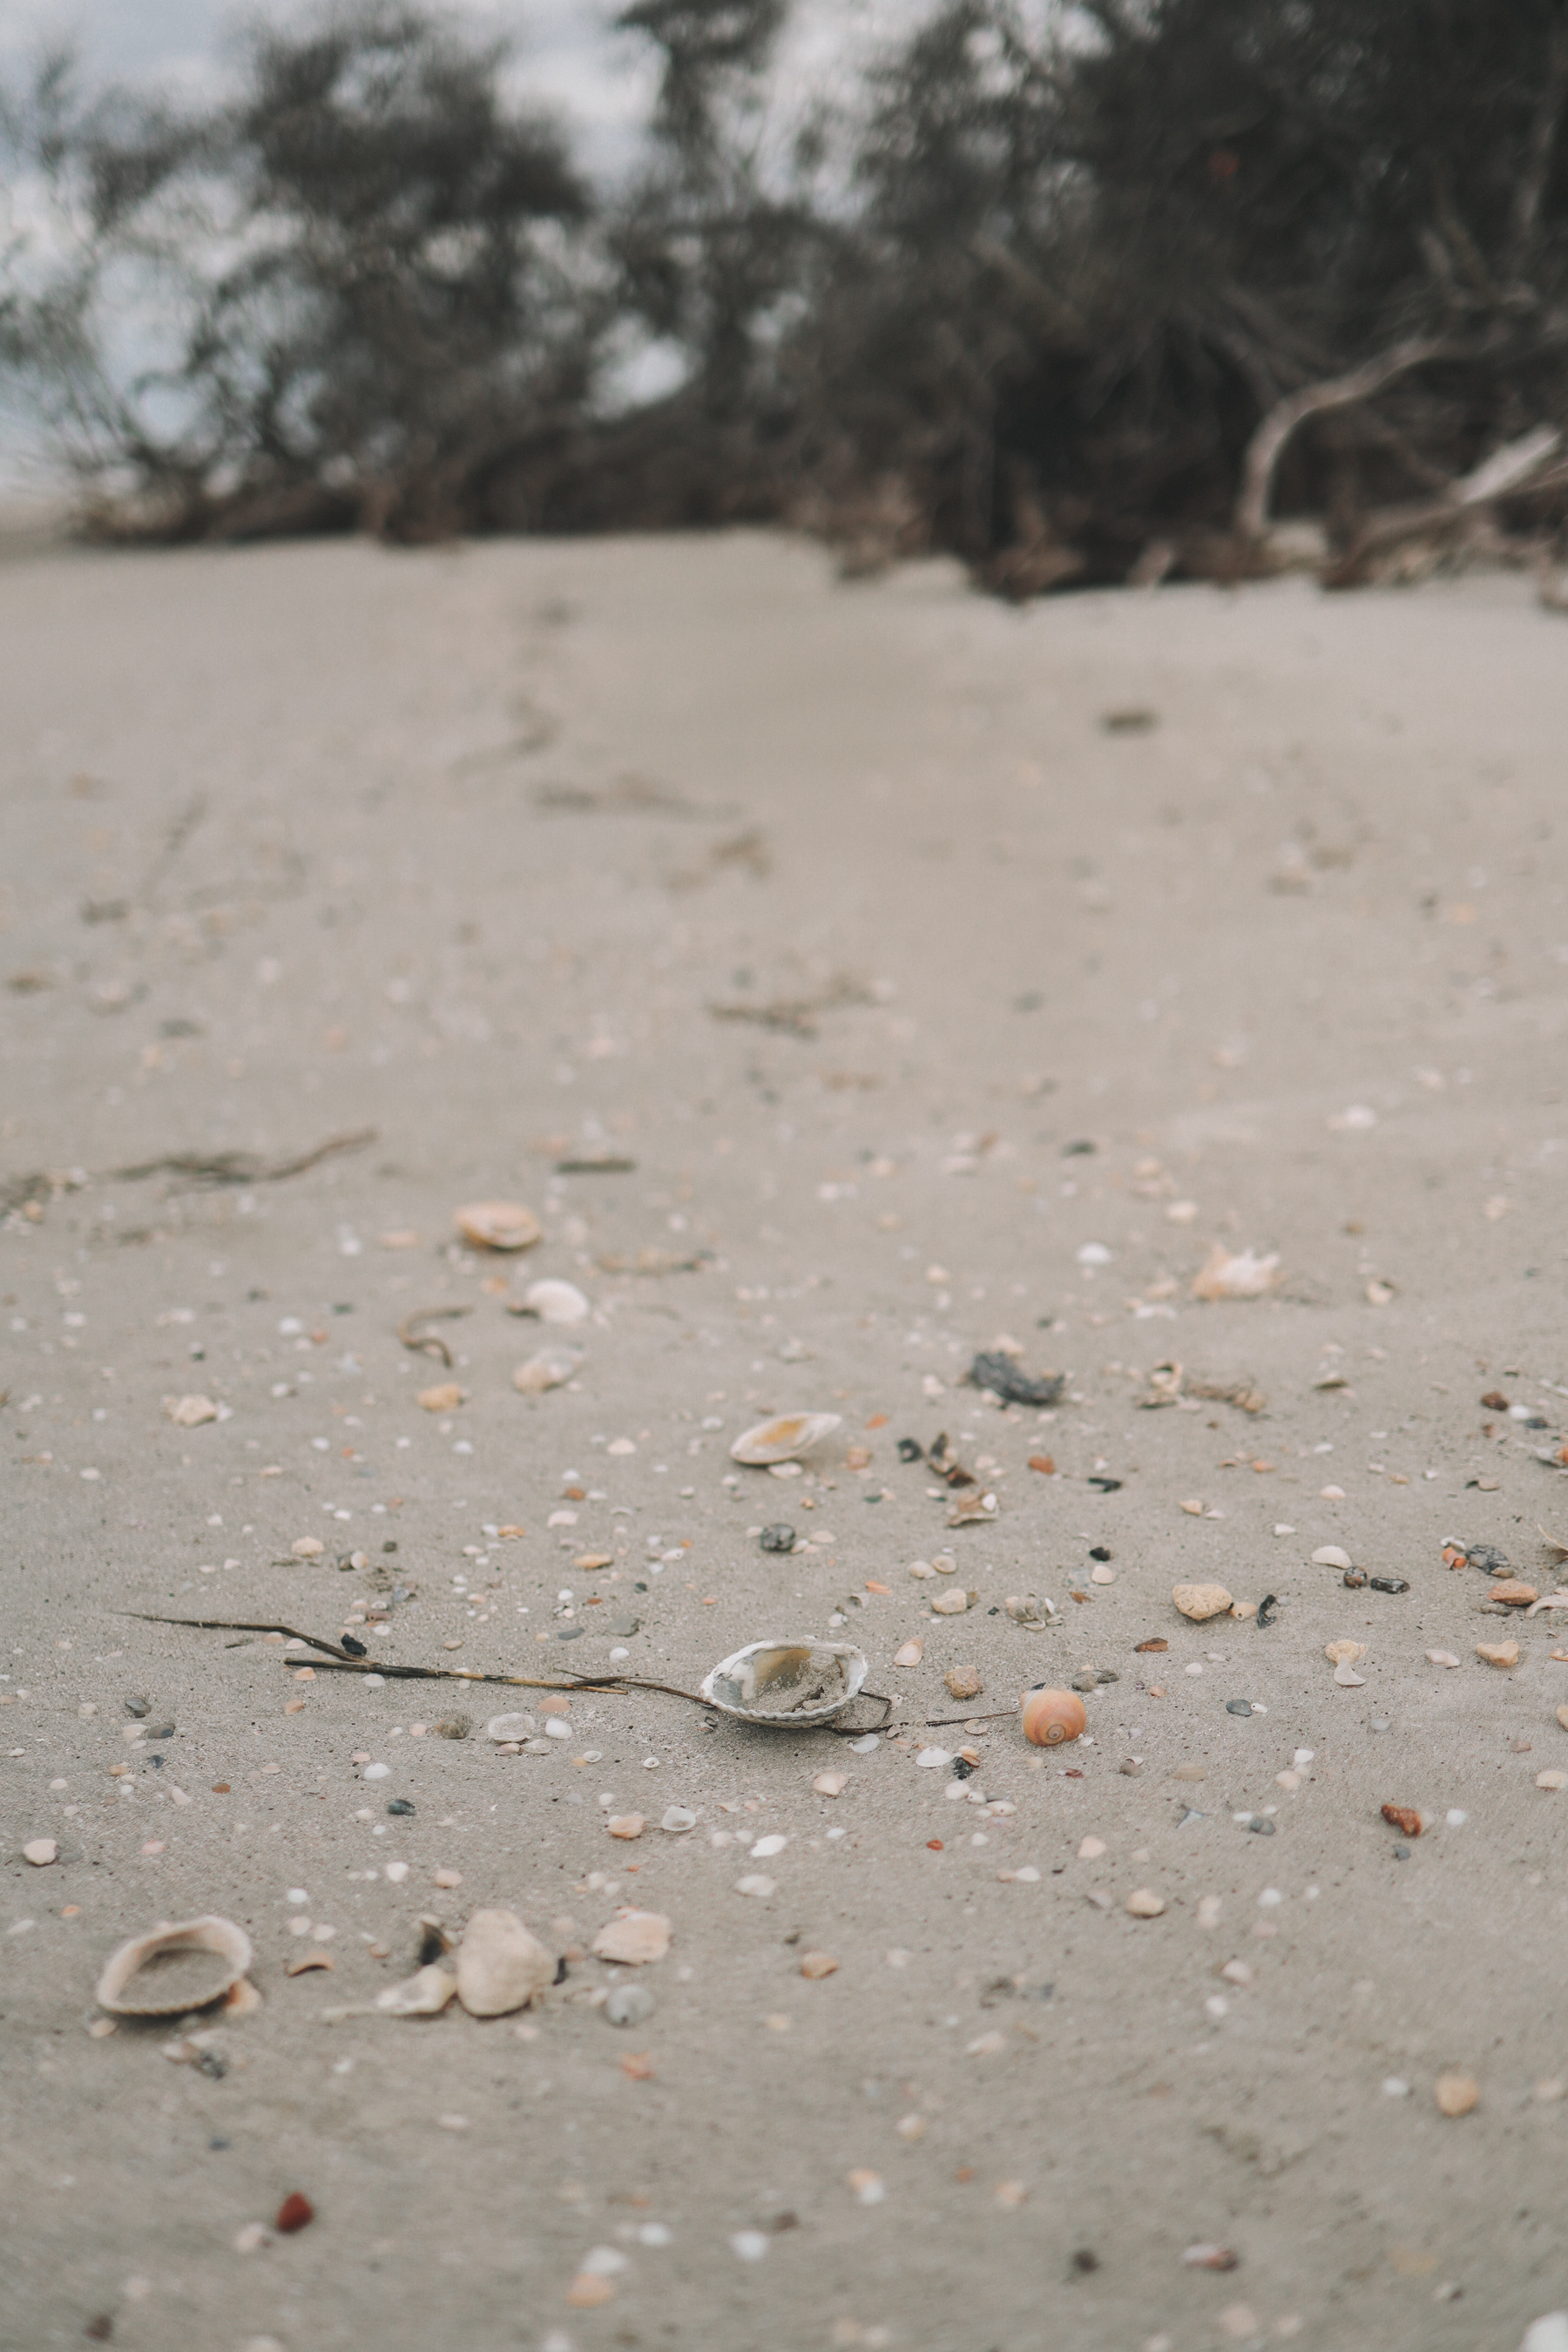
1268, 442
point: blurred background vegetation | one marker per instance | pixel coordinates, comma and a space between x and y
1147, 289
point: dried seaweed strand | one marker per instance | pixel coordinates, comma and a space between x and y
429, 1343
239, 1166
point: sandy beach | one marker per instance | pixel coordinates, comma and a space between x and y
851, 979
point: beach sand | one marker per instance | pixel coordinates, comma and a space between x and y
933, 1011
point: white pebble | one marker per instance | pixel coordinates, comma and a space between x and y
377, 1771
749, 2245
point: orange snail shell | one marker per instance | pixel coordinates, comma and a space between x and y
1052, 1715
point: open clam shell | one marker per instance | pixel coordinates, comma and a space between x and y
786, 1684
781, 1440
175, 1969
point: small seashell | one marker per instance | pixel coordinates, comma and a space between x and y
554, 1302
1331, 1555
785, 1438
950, 1603
306, 1961
677, 1820
175, 1969
1052, 1717
190, 1412
909, 1654
628, 2004
964, 1682
831, 1784
510, 1727
302, 1548
1499, 1653
1199, 1601
1347, 1677
818, 1965
786, 1684
498, 1225
1551, 1779
1239, 1274
1441, 1658
1144, 1903
626, 1825
1031, 1614
1456, 2094
500, 1966
1344, 1654
444, 1397
1404, 1818
633, 1938
931, 1757
1563, 1717
1210, 2258
551, 1368
424, 1994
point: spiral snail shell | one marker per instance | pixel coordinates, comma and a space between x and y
1051, 1717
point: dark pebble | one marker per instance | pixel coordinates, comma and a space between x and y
390, 1545
137, 1707
961, 1768
294, 2212
569, 1633
1356, 1577
1085, 2260
1086, 1681
1100, 1552
1106, 1486
1239, 1707
778, 1537
164, 1731
356, 1649
911, 1450
401, 1805
1002, 1378
1265, 1608
1389, 1584
1259, 1827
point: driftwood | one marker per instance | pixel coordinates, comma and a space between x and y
1269, 440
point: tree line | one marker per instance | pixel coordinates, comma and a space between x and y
1137, 290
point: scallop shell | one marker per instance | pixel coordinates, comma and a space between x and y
175, 1969
498, 1225
782, 1440
1051, 1717
786, 1684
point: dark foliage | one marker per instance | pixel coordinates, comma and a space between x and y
1079, 310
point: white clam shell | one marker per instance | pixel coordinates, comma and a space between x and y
497, 1225
176, 1968
500, 1966
781, 1440
510, 1727
556, 1302
786, 1684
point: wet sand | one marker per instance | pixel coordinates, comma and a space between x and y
934, 1013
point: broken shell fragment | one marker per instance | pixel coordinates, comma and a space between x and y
634, 1938
500, 1966
1032, 1613
424, 1994
818, 1965
1499, 1653
786, 1684
444, 1397
554, 1302
551, 1368
909, 1654
1052, 1717
1144, 1903
190, 1412
498, 1225
626, 1825
677, 1820
1404, 1818
1347, 1677
1239, 1274
1344, 1654
1199, 1601
1331, 1555
782, 1440
830, 1784
41, 1853
175, 1969
952, 1604
502, 1728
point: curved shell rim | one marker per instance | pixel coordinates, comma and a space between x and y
856, 1666
755, 1455
210, 1933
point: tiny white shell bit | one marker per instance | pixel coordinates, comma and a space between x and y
551, 1369
175, 1969
782, 1440
786, 1684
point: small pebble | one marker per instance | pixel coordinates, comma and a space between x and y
628, 2004
1146, 1905
1456, 2094
778, 1537
818, 1964
626, 1825
831, 1784
40, 1852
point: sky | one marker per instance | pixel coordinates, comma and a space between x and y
569, 56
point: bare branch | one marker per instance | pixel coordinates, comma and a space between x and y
1269, 443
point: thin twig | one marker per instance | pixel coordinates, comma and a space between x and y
239, 1166
429, 1343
